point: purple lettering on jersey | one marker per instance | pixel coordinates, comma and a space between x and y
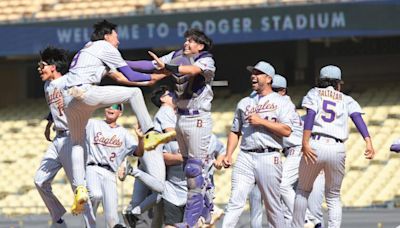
327, 110
75, 60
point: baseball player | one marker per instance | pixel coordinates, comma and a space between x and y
325, 130
193, 70
108, 144
54, 63
145, 195
83, 97
290, 167
262, 119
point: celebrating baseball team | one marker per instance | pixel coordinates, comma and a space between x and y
177, 151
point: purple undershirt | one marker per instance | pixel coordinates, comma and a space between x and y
134, 76
309, 119
141, 65
360, 124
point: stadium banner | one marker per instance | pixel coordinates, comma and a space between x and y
296, 22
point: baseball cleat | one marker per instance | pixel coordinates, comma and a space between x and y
76, 92
81, 197
216, 215
153, 139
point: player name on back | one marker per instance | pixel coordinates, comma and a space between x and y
333, 94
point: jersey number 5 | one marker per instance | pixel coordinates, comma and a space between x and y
329, 114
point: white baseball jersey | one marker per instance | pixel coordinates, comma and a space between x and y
164, 118
272, 107
175, 190
296, 136
332, 111
95, 59
107, 145
53, 92
203, 101
215, 149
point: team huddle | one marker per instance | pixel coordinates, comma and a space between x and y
177, 151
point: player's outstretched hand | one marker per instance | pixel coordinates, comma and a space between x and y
139, 133
159, 63
309, 154
227, 162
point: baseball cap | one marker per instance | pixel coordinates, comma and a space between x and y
331, 71
117, 107
279, 82
263, 67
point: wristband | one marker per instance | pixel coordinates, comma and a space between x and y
173, 68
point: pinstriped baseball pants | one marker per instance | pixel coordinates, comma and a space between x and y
57, 156
79, 111
331, 159
264, 170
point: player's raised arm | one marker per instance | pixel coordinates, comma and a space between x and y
121, 79
140, 147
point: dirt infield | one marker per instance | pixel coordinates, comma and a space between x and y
352, 218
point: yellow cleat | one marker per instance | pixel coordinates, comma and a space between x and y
153, 139
81, 197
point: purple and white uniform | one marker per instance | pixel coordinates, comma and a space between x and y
259, 160
194, 125
83, 97
57, 154
107, 148
329, 132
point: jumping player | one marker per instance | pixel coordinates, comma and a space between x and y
262, 119
83, 97
325, 130
193, 70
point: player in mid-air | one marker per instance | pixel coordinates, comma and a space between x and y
262, 120
53, 64
83, 97
325, 130
193, 69
108, 143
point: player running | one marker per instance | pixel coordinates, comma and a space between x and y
325, 130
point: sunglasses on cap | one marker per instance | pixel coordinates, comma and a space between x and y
117, 107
